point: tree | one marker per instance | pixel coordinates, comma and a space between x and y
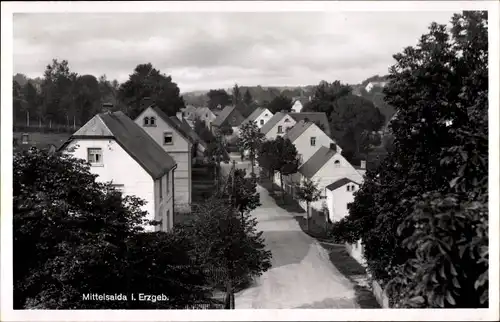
228, 243
268, 157
251, 138
351, 117
86, 238
218, 98
216, 152
433, 185
148, 82
247, 98
237, 95
242, 191
202, 130
308, 192
86, 100
287, 161
280, 103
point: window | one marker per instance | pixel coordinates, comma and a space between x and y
94, 156
288, 128
337, 163
261, 122
167, 221
313, 141
146, 121
353, 187
287, 120
168, 185
167, 138
161, 188
266, 115
348, 188
280, 129
206, 115
25, 138
152, 121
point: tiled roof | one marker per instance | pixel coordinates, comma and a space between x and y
272, 122
316, 162
255, 114
132, 138
223, 115
297, 130
339, 183
188, 131
170, 122
316, 117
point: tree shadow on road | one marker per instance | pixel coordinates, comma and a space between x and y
355, 272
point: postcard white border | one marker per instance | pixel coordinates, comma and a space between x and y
7, 314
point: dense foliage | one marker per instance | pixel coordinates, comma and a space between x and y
352, 118
226, 240
308, 192
250, 140
63, 97
218, 98
422, 215
279, 155
280, 103
74, 236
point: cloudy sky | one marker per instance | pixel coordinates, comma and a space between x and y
216, 50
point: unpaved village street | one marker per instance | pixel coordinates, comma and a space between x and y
302, 275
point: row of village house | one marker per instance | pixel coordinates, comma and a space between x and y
151, 157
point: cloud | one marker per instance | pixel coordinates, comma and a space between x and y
209, 50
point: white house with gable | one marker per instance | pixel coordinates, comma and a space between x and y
308, 138
120, 152
277, 125
339, 194
170, 137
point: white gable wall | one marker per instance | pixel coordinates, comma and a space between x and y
273, 132
120, 168
179, 150
303, 142
297, 107
263, 117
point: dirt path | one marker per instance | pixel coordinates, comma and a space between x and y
302, 275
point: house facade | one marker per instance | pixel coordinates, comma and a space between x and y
260, 116
120, 152
207, 115
324, 167
308, 138
278, 125
172, 139
299, 103
229, 117
338, 195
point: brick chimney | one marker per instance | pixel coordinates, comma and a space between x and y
333, 147
363, 164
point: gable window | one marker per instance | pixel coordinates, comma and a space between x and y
168, 138
287, 120
94, 156
25, 138
152, 121
348, 188
337, 163
353, 187
313, 141
206, 115
261, 122
288, 128
146, 121
280, 129
266, 115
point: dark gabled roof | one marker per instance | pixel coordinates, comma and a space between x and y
223, 115
188, 131
339, 183
132, 138
169, 121
255, 114
297, 130
272, 122
316, 162
316, 117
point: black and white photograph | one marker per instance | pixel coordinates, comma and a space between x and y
206, 156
